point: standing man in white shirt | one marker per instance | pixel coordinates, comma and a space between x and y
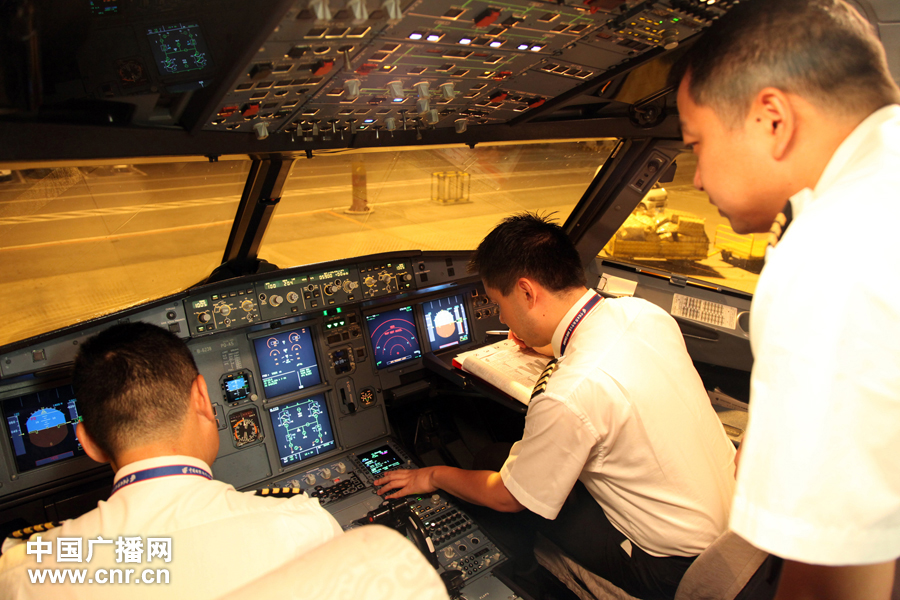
623, 432
147, 412
792, 99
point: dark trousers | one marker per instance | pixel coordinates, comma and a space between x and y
583, 532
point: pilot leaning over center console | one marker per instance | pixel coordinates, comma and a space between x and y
147, 412
622, 454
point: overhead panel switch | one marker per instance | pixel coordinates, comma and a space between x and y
321, 9
487, 17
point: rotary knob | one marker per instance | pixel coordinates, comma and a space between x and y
325, 473
225, 310
349, 286
204, 317
309, 479
292, 297
247, 305
275, 300
370, 281
340, 467
406, 277
332, 288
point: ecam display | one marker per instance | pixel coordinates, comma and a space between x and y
302, 429
446, 322
287, 362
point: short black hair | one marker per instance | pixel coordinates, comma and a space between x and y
133, 384
528, 245
821, 50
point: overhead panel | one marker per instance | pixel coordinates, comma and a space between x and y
332, 68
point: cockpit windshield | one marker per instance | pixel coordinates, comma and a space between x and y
675, 229
79, 241
351, 204
83, 240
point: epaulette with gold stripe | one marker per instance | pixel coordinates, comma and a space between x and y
541, 385
284, 492
27, 532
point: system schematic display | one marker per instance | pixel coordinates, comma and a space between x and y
380, 460
302, 429
103, 8
41, 427
394, 337
179, 49
287, 362
445, 319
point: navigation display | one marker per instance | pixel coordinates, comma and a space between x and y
41, 427
287, 362
446, 322
394, 337
302, 429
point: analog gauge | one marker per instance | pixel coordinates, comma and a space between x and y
245, 427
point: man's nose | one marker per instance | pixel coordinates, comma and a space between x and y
697, 181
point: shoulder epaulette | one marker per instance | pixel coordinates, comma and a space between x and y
26, 532
280, 492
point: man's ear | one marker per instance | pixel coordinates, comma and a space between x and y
775, 120
90, 446
200, 401
528, 289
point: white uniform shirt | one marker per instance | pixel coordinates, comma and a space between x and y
626, 413
819, 480
221, 538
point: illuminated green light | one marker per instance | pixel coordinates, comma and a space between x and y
338, 310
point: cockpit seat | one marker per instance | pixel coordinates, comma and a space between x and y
721, 572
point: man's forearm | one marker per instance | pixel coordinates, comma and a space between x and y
800, 581
485, 488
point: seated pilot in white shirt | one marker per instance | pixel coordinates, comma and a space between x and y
147, 412
622, 459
